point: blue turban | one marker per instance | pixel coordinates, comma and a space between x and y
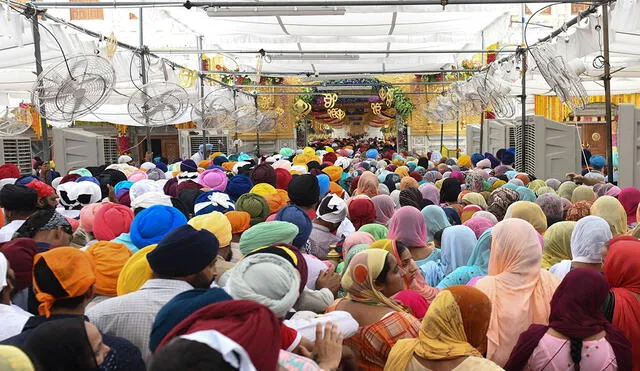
323, 182
88, 179
219, 160
295, 215
25, 179
208, 202
188, 166
372, 153
233, 158
238, 185
161, 165
125, 184
597, 162
494, 161
181, 307
411, 165
508, 158
476, 157
153, 223
244, 157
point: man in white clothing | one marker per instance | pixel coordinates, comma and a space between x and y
13, 317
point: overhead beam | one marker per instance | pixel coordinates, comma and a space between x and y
326, 52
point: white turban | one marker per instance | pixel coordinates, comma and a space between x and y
149, 199
147, 166
266, 279
338, 210
143, 186
124, 159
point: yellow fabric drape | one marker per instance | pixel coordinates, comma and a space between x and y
552, 108
442, 336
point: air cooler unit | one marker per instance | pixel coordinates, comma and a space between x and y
497, 134
473, 139
17, 151
191, 139
76, 148
551, 149
628, 146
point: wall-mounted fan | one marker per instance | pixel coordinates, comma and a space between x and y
158, 104
212, 111
14, 121
267, 121
73, 88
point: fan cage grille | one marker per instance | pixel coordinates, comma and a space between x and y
16, 151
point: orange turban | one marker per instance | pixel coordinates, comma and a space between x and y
277, 200
240, 221
71, 268
204, 164
334, 172
228, 166
109, 258
336, 189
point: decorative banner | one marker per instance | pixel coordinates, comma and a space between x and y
301, 108
376, 108
382, 93
330, 100
186, 78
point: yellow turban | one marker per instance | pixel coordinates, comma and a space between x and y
135, 272
277, 200
309, 151
302, 159
216, 223
263, 189
465, 161
109, 259
334, 172
328, 149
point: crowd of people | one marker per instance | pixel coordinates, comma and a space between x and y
344, 255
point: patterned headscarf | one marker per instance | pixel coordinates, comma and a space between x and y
500, 200
578, 211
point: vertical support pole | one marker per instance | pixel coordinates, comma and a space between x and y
35, 27
607, 90
205, 152
143, 72
235, 136
523, 100
398, 119
257, 129
441, 136
481, 128
458, 125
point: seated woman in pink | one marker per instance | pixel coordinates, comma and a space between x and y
578, 335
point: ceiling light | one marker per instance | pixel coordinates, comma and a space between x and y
214, 11
314, 57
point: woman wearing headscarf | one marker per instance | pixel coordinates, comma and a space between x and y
526, 194
454, 327
391, 180
588, 238
479, 225
550, 204
530, 212
623, 305
69, 344
408, 182
367, 185
578, 211
519, 289
449, 191
582, 193
431, 193
361, 211
557, 243
473, 198
435, 220
412, 197
578, 335
456, 248
468, 211
371, 278
500, 200
378, 231
630, 198
356, 238
566, 189
487, 215
412, 276
476, 266
385, 208
408, 226
474, 181
611, 210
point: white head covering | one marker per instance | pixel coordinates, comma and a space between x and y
4, 267
339, 208
5, 181
587, 239
231, 352
124, 159
343, 162
436, 156
266, 279
147, 166
143, 186
282, 164
302, 169
395, 196
238, 164
54, 183
149, 199
73, 190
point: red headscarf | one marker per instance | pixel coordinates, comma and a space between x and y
253, 326
20, 252
622, 273
361, 211
283, 177
630, 198
575, 313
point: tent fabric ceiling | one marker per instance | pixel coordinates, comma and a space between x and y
385, 28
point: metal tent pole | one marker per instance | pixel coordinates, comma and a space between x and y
523, 100
235, 136
607, 90
204, 130
257, 130
143, 72
35, 27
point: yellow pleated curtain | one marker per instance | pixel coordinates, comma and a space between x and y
552, 108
